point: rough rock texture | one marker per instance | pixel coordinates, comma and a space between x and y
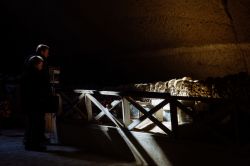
157, 39
197, 38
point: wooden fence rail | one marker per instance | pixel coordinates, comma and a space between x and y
124, 126
129, 98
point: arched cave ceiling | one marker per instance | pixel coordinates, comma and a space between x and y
157, 39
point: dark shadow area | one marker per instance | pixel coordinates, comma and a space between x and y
13, 153
94, 139
197, 145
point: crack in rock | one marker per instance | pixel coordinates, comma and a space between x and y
229, 15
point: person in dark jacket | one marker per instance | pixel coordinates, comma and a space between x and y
43, 51
35, 90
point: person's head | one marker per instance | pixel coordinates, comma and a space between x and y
36, 63
42, 50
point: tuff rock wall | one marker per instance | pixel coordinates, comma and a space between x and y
138, 39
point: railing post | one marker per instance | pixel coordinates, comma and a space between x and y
174, 118
89, 108
126, 112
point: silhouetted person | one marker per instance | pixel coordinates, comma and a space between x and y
35, 91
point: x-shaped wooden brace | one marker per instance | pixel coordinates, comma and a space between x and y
101, 114
124, 132
74, 105
148, 114
104, 110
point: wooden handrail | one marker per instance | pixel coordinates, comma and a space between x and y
158, 95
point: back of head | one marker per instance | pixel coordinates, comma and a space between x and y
34, 62
40, 48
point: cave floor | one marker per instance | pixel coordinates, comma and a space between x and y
12, 153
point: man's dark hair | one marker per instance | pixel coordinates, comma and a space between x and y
40, 48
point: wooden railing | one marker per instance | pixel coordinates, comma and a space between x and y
124, 126
127, 98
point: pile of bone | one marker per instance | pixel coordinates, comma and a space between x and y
179, 87
231, 86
